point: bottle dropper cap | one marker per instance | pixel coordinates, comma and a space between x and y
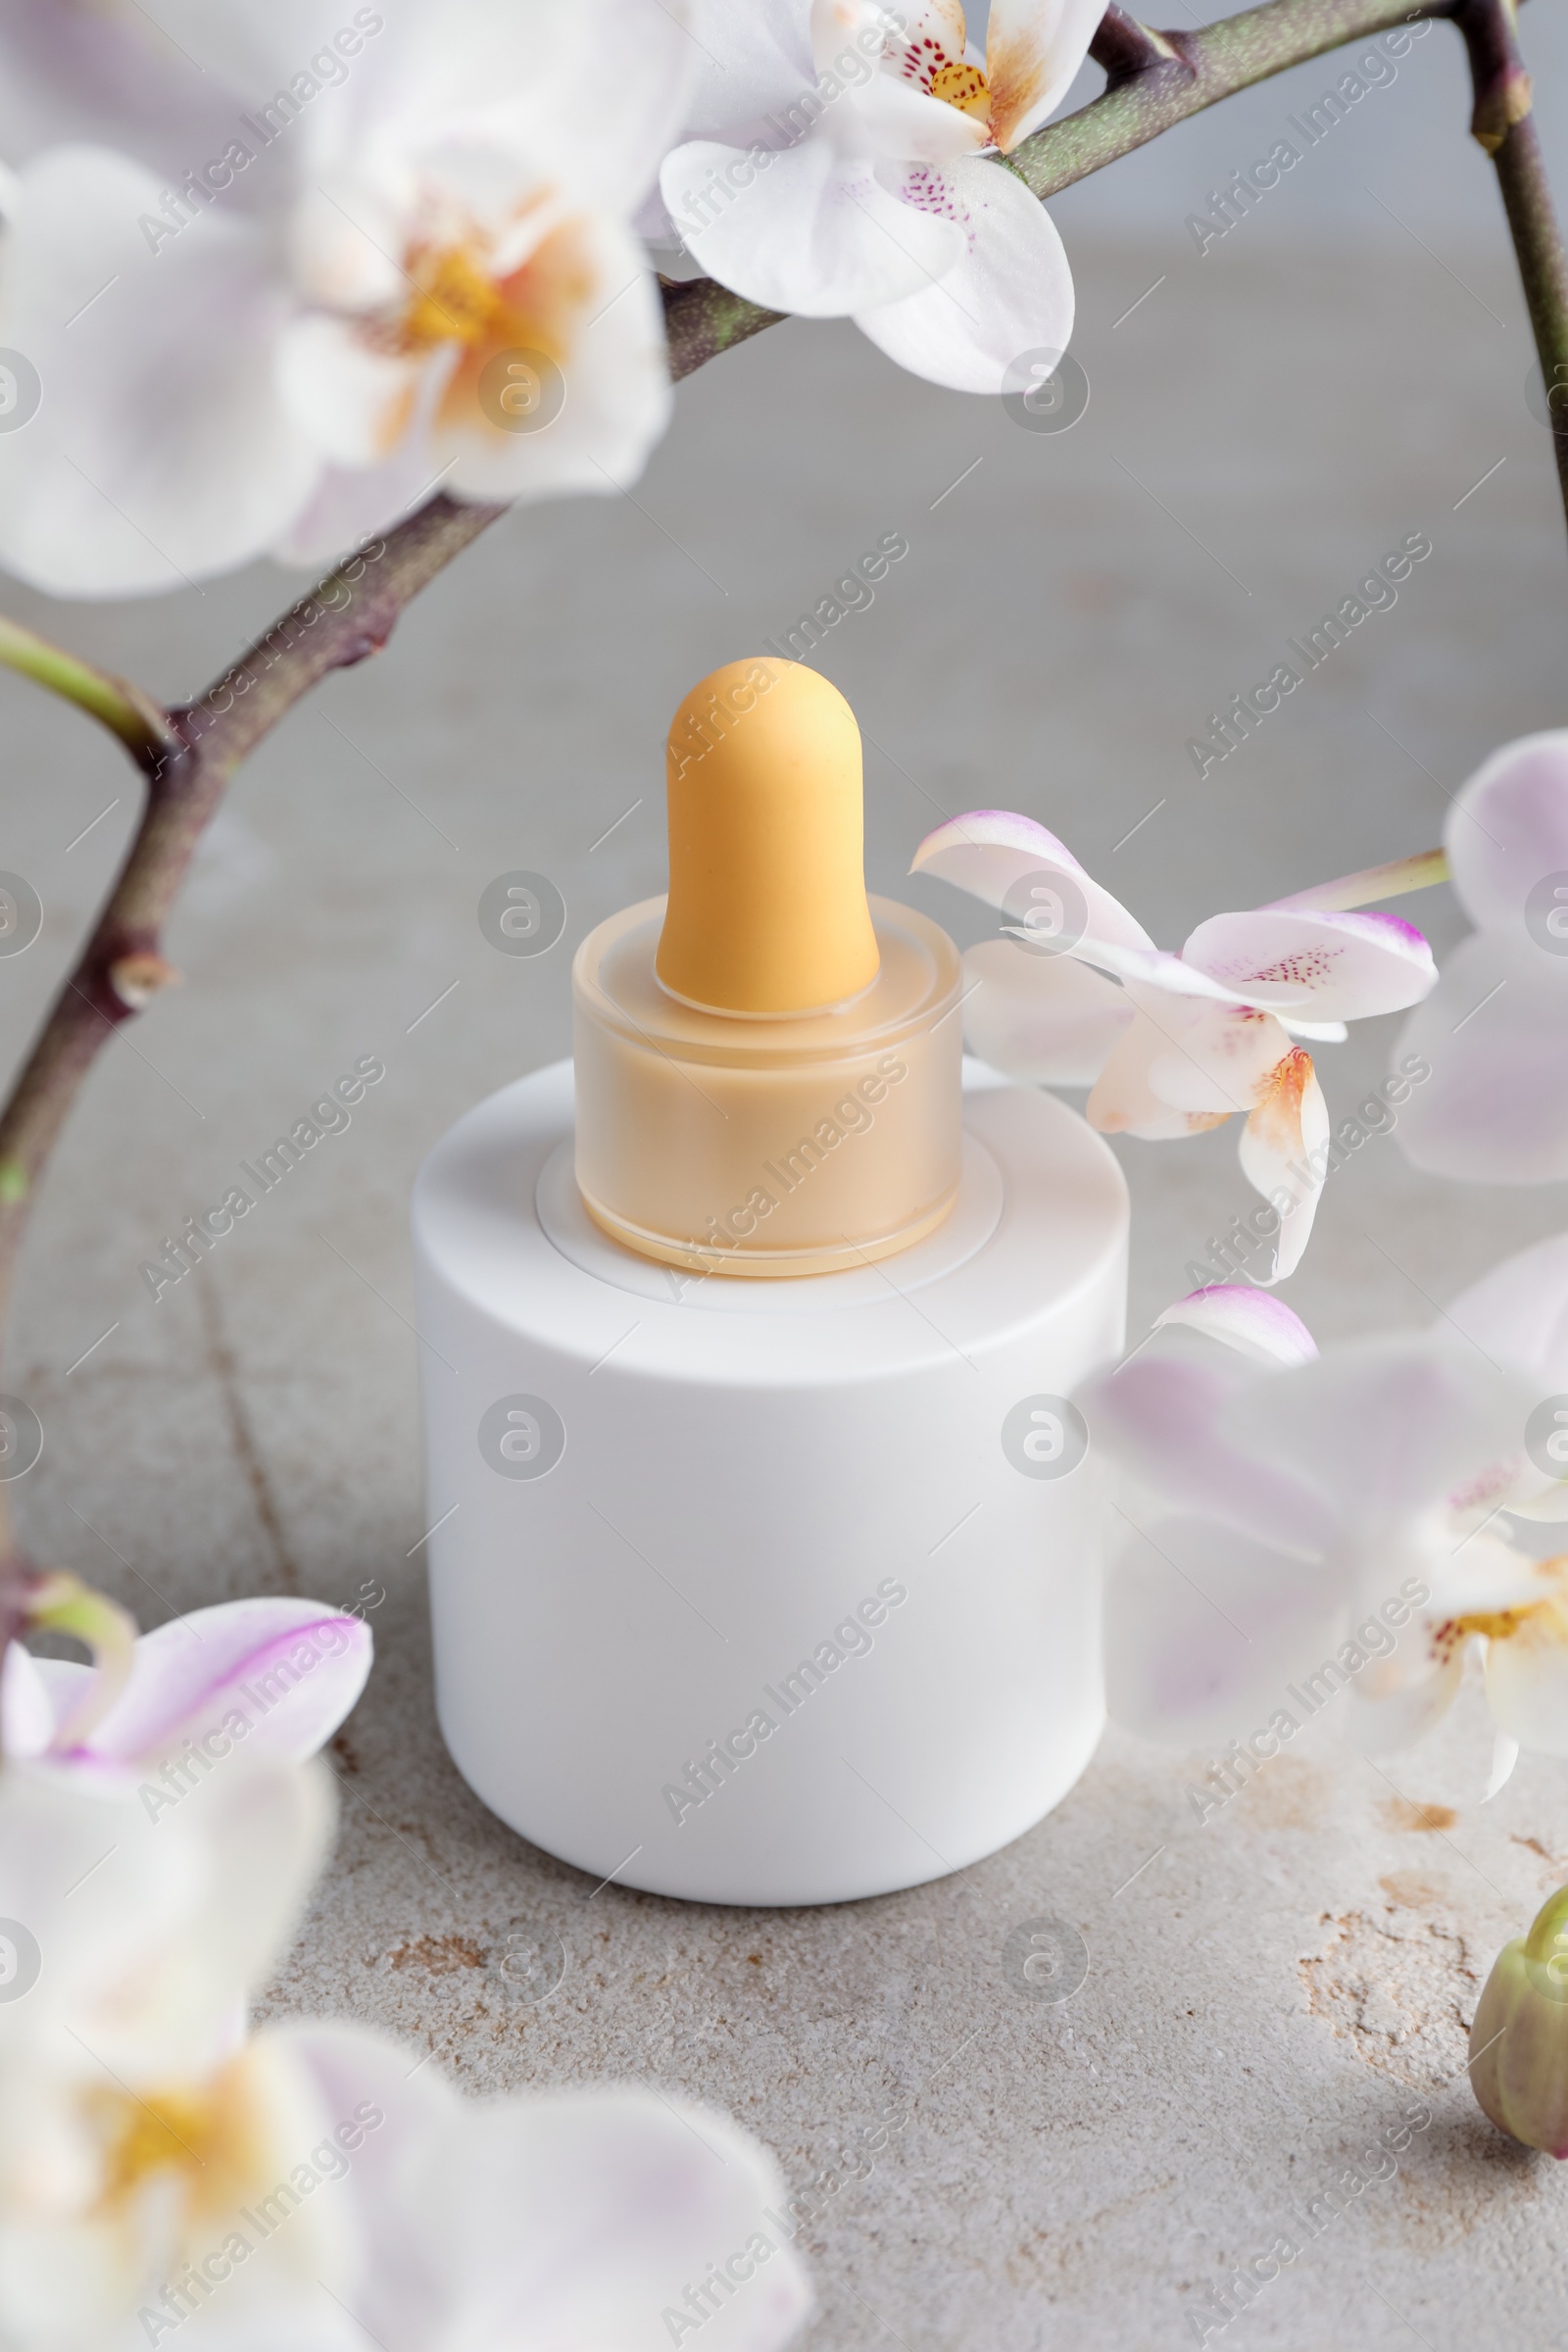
767, 912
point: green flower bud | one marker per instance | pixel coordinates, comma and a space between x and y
1519, 2042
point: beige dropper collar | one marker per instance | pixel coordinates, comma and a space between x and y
768, 912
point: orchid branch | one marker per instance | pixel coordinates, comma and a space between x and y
1373, 884
122, 707
1503, 123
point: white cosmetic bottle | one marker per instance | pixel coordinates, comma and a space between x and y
766, 1566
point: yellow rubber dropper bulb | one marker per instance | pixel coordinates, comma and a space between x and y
767, 912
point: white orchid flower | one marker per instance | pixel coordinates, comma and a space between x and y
1171, 1044
841, 162
164, 2180
1344, 1528
274, 1677
1495, 1031
319, 260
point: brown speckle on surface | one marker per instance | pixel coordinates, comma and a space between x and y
441, 1955
1400, 1814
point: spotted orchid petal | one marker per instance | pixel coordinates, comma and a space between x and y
1508, 836
1046, 1020
1002, 857
1283, 1154
816, 233
1008, 291
1033, 49
1248, 1320
1325, 966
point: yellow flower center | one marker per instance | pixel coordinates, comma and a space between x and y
453, 299
177, 2131
965, 87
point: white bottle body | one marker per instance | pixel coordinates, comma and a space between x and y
750, 1592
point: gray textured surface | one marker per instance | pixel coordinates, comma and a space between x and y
1270, 1988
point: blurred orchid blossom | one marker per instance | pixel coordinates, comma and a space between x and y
406, 263
275, 1677
1172, 1045
836, 166
1343, 1519
1496, 1030
163, 2178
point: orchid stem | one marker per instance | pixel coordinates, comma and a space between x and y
122, 707
1373, 884
1504, 125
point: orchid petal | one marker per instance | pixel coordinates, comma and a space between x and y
1507, 832
1203, 1629
27, 1712
1395, 1703
813, 233
1124, 1100
1519, 1311
290, 1669
1033, 49
1504, 1756
1491, 1041
996, 856
192, 465
1217, 1059
1046, 1020
1527, 1680
1250, 1320
1279, 1151
1160, 1419
1383, 1428
1335, 966
1006, 293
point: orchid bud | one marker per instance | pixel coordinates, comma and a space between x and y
1519, 2042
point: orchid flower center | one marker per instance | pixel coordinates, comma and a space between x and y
172, 2132
965, 87
454, 299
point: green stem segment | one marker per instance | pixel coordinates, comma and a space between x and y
122, 707
1374, 884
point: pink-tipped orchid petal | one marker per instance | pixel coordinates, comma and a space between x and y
1204, 1628
1507, 834
26, 1713
1033, 49
1046, 1020
1283, 1154
1489, 1050
1329, 966
1159, 1417
1252, 1321
289, 1669
1013, 863
1384, 1428
1007, 292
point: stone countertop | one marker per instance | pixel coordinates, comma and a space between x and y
1268, 1991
